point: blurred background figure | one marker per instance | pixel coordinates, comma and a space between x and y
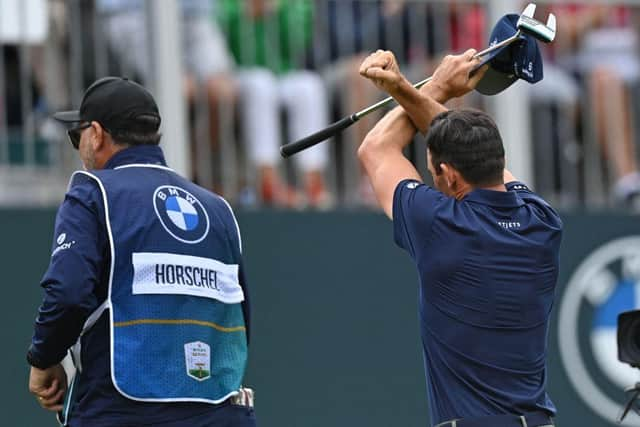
418, 32
556, 113
600, 44
260, 73
23, 103
269, 39
346, 32
206, 60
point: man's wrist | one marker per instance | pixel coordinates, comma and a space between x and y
403, 90
435, 92
35, 362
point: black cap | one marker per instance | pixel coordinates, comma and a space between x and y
117, 104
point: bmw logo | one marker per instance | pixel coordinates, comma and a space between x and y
181, 214
605, 284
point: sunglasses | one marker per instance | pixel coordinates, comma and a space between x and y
75, 133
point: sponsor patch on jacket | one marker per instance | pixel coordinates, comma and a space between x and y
198, 360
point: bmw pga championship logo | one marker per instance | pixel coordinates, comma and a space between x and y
605, 284
181, 214
198, 360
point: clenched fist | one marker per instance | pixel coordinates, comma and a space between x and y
382, 69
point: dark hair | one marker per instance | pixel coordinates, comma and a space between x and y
143, 132
469, 141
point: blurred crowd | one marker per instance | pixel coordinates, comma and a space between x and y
259, 73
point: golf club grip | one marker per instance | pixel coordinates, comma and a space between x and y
316, 138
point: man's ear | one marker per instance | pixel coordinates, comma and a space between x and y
451, 175
98, 137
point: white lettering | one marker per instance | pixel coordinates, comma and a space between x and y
63, 247
509, 224
165, 273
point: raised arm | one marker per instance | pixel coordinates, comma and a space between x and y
381, 151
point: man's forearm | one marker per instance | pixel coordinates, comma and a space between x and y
395, 130
421, 105
415, 113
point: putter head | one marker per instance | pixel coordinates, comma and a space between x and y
527, 24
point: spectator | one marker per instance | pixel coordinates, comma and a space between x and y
267, 39
555, 118
607, 45
349, 31
207, 62
345, 33
23, 104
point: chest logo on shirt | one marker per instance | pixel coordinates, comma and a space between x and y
604, 285
181, 214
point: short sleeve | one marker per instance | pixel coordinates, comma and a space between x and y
414, 208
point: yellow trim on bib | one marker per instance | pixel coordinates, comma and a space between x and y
180, 322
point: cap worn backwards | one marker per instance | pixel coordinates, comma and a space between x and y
117, 104
519, 60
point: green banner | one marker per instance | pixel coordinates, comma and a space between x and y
330, 348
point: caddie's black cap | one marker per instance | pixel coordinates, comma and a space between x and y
117, 104
520, 60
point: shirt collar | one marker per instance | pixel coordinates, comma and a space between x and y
504, 199
144, 154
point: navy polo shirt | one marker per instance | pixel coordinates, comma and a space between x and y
488, 266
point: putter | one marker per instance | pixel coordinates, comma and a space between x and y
537, 29
526, 24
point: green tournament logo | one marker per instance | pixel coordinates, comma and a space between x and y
198, 360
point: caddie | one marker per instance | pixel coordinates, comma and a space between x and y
145, 283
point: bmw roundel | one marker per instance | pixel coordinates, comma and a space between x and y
181, 214
604, 285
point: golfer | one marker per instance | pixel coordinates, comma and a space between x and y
486, 248
145, 283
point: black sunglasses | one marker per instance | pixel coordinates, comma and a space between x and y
75, 132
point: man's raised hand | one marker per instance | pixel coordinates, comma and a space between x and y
382, 69
453, 76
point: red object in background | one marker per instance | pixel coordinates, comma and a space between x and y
468, 27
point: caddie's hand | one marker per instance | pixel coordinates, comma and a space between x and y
453, 76
48, 386
382, 69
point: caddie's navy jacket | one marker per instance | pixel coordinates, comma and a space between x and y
75, 284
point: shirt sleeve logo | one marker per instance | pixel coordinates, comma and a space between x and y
181, 214
62, 243
412, 185
61, 238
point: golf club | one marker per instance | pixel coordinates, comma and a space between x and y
526, 24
